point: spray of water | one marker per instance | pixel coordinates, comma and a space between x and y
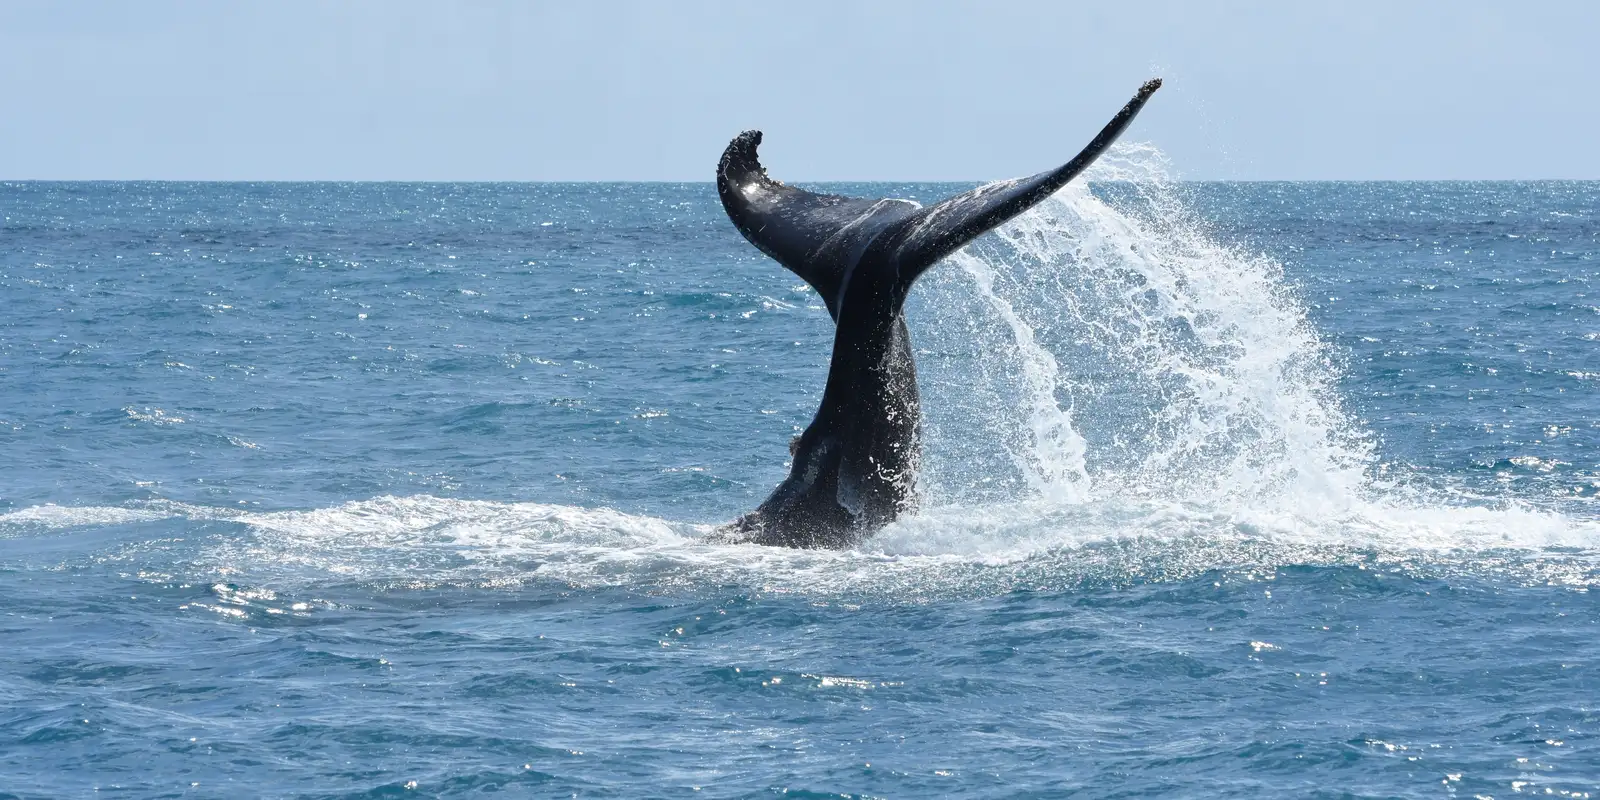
1120, 351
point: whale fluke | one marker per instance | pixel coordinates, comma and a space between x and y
854, 467
819, 236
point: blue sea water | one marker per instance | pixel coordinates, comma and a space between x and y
360, 490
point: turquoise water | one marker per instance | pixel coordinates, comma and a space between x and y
350, 490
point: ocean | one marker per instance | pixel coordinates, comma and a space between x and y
385, 489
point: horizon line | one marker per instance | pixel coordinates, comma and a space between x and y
831, 181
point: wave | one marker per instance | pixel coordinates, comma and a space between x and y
424, 542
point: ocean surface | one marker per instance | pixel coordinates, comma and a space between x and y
371, 490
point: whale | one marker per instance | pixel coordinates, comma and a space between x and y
854, 468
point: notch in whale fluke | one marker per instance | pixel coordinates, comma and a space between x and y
819, 236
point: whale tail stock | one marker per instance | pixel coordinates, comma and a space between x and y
821, 237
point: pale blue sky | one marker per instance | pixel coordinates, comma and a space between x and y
903, 90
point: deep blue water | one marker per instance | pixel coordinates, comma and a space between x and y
350, 490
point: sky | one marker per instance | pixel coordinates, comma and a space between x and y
857, 90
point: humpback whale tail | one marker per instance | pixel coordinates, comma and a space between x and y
854, 468
820, 236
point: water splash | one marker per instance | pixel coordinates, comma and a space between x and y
1119, 350
1104, 368
1051, 457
